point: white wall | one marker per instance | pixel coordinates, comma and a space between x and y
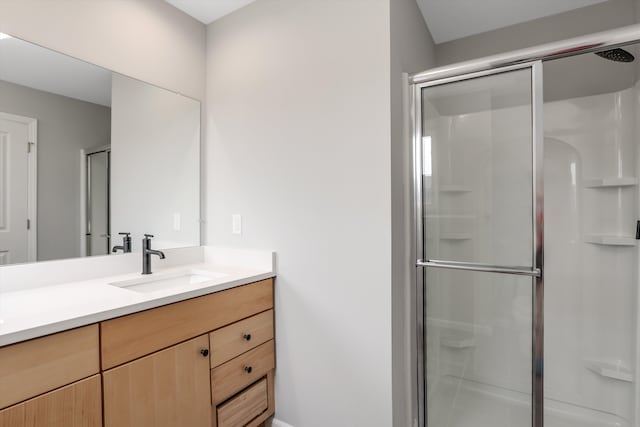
155, 159
65, 126
146, 39
298, 143
412, 50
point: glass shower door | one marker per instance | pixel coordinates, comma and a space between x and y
475, 156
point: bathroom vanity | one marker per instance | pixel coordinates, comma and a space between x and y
88, 339
183, 354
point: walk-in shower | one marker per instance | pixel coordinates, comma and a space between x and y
527, 204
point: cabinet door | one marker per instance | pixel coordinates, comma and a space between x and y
166, 389
76, 405
31, 368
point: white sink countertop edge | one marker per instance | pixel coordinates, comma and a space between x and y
39, 311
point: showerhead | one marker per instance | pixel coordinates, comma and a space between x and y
616, 55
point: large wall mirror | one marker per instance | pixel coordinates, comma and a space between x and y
87, 154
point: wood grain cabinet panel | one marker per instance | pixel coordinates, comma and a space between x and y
130, 337
237, 412
240, 337
76, 405
33, 367
271, 410
231, 377
169, 388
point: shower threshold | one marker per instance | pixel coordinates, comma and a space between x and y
457, 402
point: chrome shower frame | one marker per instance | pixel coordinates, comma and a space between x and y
520, 59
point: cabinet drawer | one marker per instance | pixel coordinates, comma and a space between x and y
240, 337
246, 406
76, 405
130, 337
31, 368
231, 377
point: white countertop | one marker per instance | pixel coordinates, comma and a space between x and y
41, 310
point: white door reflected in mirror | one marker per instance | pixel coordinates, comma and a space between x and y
14, 189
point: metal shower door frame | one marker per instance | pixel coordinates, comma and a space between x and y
537, 262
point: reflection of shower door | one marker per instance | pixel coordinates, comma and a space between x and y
478, 164
98, 237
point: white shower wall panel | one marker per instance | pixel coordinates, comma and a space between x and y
477, 151
480, 323
590, 289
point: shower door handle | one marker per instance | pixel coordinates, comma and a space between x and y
472, 266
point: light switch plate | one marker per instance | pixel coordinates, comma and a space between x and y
236, 224
177, 220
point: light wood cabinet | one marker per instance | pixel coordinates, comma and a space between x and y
217, 379
76, 405
166, 389
236, 374
240, 410
129, 337
33, 367
204, 362
240, 337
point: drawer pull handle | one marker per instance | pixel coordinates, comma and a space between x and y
204, 352
246, 337
248, 369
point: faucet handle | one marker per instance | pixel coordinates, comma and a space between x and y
148, 236
124, 234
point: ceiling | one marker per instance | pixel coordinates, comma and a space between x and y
447, 19
207, 11
33, 66
453, 19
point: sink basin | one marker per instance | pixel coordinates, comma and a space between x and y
161, 282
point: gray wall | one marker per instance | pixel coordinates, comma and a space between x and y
412, 50
298, 141
65, 126
590, 19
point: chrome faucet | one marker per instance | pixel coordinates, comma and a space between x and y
147, 252
126, 244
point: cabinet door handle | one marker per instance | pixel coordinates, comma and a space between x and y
204, 352
248, 369
246, 337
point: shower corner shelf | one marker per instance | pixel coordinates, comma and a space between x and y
609, 370
611, 181
455, 188
455, 236
610, 240
457, 342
